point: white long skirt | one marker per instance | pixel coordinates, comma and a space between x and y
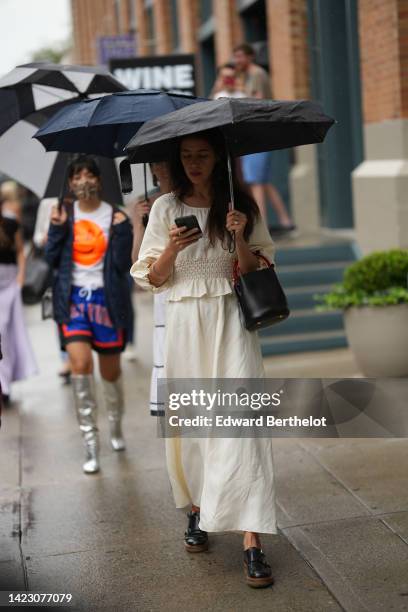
231, 479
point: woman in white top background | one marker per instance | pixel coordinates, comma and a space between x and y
228, 483
161, 178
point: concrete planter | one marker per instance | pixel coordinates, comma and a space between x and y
378, 337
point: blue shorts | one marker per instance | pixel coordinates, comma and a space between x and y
256, 168
90, 322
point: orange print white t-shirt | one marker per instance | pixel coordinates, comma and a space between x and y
91, 234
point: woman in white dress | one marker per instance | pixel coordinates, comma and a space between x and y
161, 178
228, 482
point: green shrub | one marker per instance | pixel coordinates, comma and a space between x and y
379, 279
378, 272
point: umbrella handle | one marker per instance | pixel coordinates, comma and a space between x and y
125, 172
64, 185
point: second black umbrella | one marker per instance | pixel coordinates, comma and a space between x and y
248, 125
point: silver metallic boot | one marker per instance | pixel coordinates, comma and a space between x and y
113, 393
85, 403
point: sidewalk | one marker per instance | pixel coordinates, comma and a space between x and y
114, 540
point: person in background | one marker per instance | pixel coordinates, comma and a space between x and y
18, 361
256, 167
42, 224
89, 245
226, 84
11, 202
161, 179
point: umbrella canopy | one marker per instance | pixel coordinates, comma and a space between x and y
104, 125
23, 159
29, 95
32, 87
248, 125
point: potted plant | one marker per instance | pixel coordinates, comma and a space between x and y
374, 298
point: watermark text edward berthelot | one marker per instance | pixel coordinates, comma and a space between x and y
268, 420
272, 407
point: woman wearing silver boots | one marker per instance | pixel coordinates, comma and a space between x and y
89, 245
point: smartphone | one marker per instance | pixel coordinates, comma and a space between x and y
190, 222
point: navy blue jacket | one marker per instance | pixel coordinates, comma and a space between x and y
117, 263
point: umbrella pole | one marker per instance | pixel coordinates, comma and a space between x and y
232, 200
64, 185
231, 186
145, 183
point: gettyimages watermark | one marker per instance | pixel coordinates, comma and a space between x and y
291, 407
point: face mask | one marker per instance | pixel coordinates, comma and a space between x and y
86, 190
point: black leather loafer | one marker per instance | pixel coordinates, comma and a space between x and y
195, 540
258, 573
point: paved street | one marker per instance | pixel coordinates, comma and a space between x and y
114, 540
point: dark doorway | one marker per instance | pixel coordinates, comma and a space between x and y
254, 21
207, 53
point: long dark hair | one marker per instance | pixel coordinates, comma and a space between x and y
84, 162
220, 191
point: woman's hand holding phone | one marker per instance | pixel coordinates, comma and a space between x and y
181, 237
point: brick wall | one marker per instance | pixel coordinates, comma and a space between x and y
188, 24
227, 32
90, 20
288, 48
161, 10
141, 27
403, 54
383, 31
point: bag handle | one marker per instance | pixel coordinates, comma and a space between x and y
236, 270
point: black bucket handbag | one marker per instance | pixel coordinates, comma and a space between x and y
37, 278
260, 296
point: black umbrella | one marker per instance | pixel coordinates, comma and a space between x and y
29, 95
104, 125
32, 87
248, 126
